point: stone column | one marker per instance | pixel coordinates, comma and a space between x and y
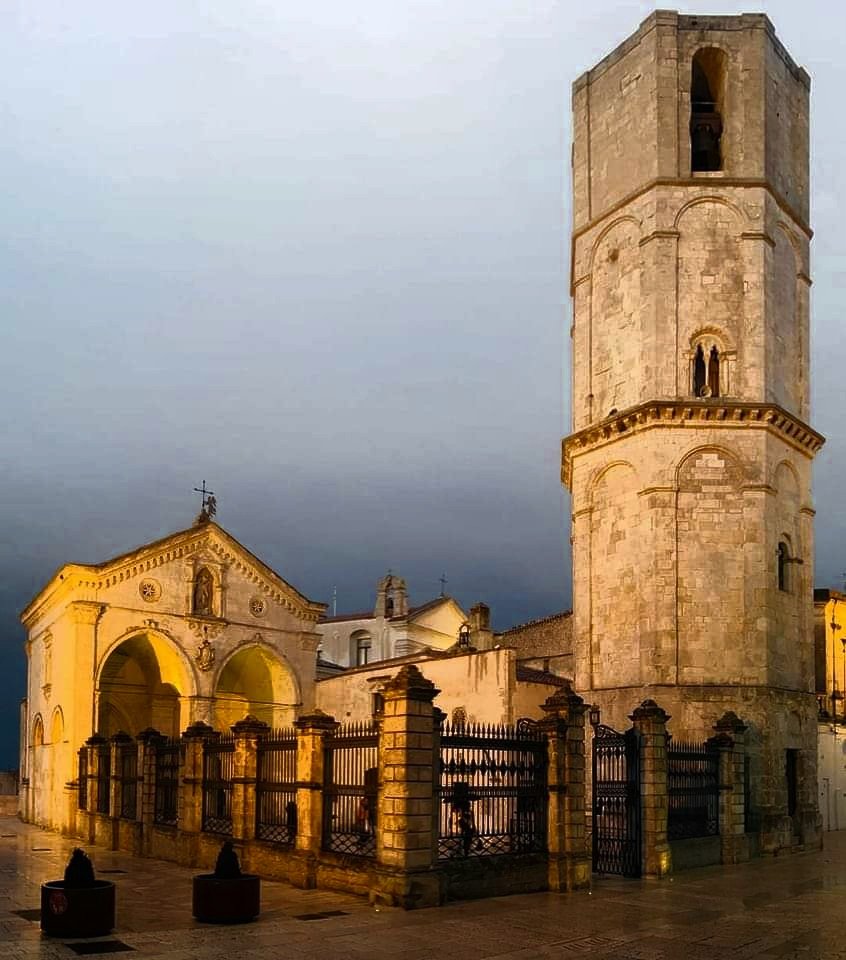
190, 800
650, 723
247, 734
729, 740
405, 825
564, 726
312, 730
93, 744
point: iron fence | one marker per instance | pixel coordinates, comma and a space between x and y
167, 783
82, 778
218, 770
128, 774
492, 790
350, 790
103, 777
616, 813
693, 780
276, 787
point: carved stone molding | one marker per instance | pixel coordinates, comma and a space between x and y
205, 656
733, 414
207, 629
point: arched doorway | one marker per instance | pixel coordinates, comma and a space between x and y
140, 686
255, 680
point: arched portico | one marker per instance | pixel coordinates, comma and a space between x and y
143, 681
256, 680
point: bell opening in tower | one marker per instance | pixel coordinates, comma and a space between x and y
706, 115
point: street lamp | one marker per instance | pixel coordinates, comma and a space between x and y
593, 715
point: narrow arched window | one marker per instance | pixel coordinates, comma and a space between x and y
706, 119
699, 372
783, 561
714, 372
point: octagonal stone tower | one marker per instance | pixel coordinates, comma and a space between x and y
689, 460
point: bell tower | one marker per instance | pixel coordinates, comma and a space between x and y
689, 460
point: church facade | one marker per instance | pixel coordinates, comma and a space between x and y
191, 627
690, 456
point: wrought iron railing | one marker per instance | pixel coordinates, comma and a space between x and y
104, 779
128, 772
693, 780
218, 770
350, 790
276, 787
492, 790
615, 818
167, 783
82, 778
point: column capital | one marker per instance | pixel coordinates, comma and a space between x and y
317, 720
87, 612
410, 684
649, 711
150, 735
564, 704
199, 731
729, 723
250, 726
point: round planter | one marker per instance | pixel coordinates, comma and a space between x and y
77, 911
226, 901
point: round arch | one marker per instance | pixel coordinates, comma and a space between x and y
142, 678
255, 679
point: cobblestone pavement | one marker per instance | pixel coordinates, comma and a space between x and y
790, 907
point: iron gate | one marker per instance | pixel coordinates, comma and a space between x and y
616, 802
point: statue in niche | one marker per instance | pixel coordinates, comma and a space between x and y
203, 590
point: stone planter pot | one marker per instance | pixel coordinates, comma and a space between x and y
226, 901
77, 911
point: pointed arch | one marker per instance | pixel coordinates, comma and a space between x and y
37, 731
57, 725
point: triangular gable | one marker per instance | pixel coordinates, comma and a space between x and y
222, 546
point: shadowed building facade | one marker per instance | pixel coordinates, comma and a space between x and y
689, 460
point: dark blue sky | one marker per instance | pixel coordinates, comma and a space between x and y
317, 255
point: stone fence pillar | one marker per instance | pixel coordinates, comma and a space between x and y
118, 741
312, 731
729, 740
190, 798
564, 726
147, 741
405, 826
247, 733
93, 745
650, 724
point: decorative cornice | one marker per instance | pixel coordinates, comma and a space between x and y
758, 235
659, 235
732, 414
